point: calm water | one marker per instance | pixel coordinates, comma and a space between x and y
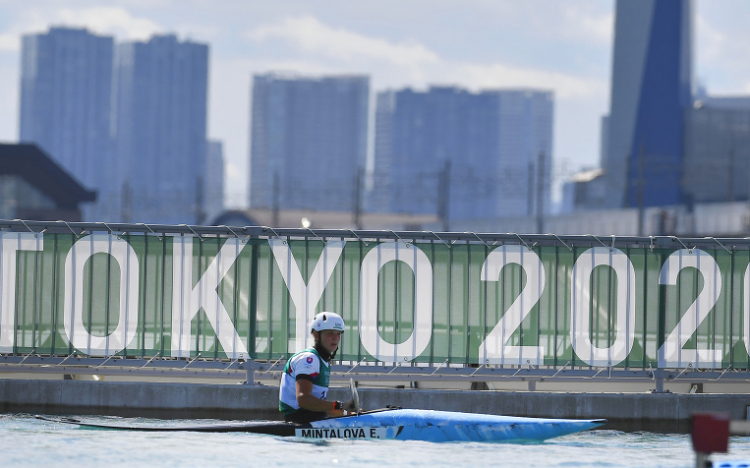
26, 441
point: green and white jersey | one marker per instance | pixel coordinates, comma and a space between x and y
306, 362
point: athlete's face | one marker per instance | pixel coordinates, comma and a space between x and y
330, 339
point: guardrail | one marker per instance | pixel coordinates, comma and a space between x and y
421, 304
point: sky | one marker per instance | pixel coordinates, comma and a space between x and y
560, 45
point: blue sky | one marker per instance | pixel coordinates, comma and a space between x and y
559, 45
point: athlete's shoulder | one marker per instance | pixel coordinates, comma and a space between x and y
306, 354
306, 362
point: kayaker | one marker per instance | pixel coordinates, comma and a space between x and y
304, 383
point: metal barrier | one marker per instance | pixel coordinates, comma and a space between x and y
418, 305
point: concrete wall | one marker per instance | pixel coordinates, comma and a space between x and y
667, 412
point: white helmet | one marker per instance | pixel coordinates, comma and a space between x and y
327, 321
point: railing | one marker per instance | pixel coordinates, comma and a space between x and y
416, 304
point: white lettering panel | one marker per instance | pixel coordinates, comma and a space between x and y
122, 253
494, 349
305, 296
188, 300
624, 302
671, 353
746, 309
10, 244
419, 339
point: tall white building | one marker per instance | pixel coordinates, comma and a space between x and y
524, 151
463, 155
160, 111
717, 150
66, 83
308, 141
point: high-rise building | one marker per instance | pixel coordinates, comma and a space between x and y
651, 90
463, 155
160, 120
66, 82
309, 141
213, 198
717, 150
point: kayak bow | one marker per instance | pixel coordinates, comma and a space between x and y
448, 426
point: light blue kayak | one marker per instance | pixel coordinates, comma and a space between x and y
398, 424
443, 426
388, 423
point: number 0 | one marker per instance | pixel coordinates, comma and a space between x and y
625, 301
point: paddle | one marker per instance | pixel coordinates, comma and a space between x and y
355, 395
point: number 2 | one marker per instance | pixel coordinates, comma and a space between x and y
671, 353
494, 349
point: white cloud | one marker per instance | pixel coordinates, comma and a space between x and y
113, 21
720, 56
581, 21
711, 43
502, 76
580, 24
327, 50
10, 43
108, 20
311, 35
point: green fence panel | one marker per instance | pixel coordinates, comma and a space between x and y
469, 302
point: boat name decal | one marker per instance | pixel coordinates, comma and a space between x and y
343, 433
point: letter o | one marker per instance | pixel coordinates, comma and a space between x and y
368, 288
75, 262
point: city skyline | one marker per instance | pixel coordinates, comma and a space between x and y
128, 120
564, 47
